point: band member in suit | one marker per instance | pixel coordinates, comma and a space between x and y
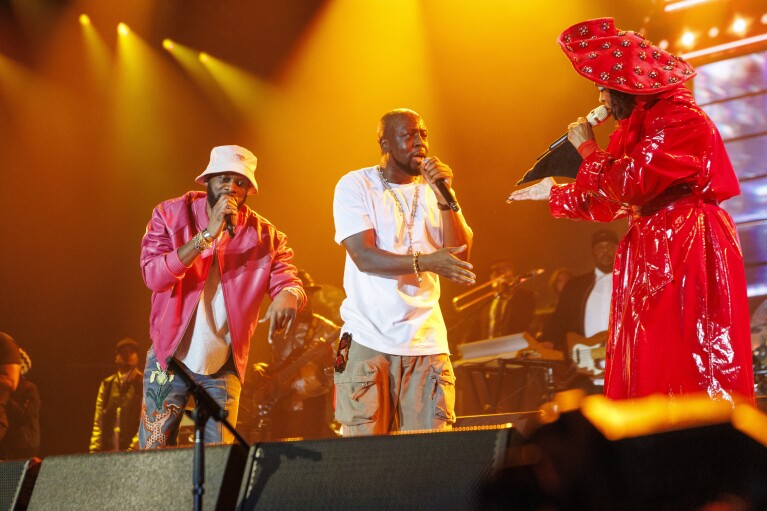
509, 311
584, 305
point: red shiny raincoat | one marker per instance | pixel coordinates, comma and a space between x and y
679, 321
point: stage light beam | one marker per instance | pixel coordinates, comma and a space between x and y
168, 44
123, 29
85, 20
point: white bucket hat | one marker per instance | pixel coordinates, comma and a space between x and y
231, 158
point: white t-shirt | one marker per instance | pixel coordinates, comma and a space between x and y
597, 315
391, 314
206, 344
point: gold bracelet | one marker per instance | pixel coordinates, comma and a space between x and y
416, 269
200, 243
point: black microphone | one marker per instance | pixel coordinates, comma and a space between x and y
595, 118
447, 193
229, 225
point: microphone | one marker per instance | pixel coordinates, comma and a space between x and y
595, 118
446, 192
229, 225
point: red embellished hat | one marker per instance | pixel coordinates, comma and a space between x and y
622, 60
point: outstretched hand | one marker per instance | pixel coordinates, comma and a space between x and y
539, 191
281, 313
443, 262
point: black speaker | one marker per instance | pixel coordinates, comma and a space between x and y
154, 479
711, 466
524, 422
16, 481
443, 470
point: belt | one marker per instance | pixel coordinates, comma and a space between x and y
672, 198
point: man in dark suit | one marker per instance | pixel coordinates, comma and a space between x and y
509, 311
584, 305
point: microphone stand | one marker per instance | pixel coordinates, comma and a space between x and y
205, 407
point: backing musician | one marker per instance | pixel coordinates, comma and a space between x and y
583, 309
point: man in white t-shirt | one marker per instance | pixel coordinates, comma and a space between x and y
393, 371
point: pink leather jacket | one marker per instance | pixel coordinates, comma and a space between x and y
255, 262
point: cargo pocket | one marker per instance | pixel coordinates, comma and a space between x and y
357, 398
442, 382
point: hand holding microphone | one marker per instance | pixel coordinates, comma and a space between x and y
436, 174
580, 130
222, 216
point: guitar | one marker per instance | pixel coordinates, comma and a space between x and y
588, 353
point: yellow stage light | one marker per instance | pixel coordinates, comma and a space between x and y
713, 32
739, 26
123, 29
167, 44
85, 20
203, 57
688, 39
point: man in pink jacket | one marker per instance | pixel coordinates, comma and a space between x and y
209, 260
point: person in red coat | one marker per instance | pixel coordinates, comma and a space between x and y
679, 313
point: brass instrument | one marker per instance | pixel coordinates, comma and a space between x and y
481, 292
497, 285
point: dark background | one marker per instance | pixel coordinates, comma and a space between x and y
97, 129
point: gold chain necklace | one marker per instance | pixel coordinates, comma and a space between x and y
401, 208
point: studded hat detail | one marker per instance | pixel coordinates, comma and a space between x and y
622, 60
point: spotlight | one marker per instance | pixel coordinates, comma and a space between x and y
764, 19
739, 26
688, 39
85, 20
123, 29
203, 57
663, 44
713, 32
167, 44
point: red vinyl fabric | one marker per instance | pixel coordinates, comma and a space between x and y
679, 315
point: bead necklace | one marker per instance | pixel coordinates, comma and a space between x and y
401, 208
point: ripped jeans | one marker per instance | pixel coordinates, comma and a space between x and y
378, 393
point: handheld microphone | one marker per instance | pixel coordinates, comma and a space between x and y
229, 225
595, 118
446, 192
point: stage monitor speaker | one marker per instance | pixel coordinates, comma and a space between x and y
440, 470
711, 466
523, 422
154, 479
16, 481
